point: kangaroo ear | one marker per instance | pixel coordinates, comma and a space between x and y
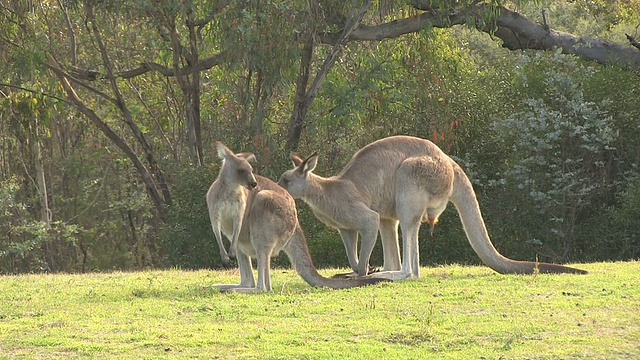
223, 151
310, 163
247, 156
296, 160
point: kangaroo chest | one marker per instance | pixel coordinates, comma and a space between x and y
328, 220
231, 210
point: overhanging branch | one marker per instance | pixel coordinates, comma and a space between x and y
516, 32
388, 30
204, 64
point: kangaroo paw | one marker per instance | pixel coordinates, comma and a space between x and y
373, 270
353, 274
349, 275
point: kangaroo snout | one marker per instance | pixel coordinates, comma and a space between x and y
252, 184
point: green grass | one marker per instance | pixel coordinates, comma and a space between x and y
451, 312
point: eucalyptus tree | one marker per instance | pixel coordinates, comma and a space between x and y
105, 54
335, 23
161, 79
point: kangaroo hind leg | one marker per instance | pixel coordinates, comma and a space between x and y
392, 266
390, 246
410, 207
247, 281
423, 187
272, 222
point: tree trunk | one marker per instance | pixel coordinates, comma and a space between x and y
296, 123
304, 98
190, 86
45, 212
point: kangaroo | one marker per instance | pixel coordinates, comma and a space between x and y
398, 179
227, 202
260, 219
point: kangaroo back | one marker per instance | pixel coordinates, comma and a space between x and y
399, 179
261, 220
279, 215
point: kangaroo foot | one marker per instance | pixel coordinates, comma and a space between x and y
353, 274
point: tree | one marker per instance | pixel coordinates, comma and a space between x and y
304, 97
516, 31
139, 89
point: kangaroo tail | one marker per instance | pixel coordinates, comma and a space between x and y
298, 253
465, 201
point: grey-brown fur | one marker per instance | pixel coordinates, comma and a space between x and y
261, 220
397, 180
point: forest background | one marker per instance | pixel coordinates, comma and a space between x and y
110, 109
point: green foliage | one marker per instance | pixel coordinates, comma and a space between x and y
623, 238
561, 151
27, 244
590, 18
186, 237
262, 37
447, 85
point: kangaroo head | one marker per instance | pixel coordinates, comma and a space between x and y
295, 181
236, 168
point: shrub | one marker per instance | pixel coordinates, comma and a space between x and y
562, 147
186, 236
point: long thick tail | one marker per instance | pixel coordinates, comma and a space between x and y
465, 201
298, 252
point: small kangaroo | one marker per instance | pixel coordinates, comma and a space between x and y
398, 179
260, 219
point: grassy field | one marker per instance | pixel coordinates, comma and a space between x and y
451, 312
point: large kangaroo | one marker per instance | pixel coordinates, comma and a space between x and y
398, 179
260, 219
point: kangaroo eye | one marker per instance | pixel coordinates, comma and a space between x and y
285, 181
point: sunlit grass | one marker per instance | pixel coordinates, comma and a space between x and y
451, 312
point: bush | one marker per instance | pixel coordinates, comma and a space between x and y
186, 236
28, 245
562, 147
623, 240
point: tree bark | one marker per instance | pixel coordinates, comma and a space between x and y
190, 86
296, 124
516, 31
144, 173
305, 98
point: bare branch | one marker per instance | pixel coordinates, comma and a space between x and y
54, 65
204, 64
388, 30
37, 92
633, 41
